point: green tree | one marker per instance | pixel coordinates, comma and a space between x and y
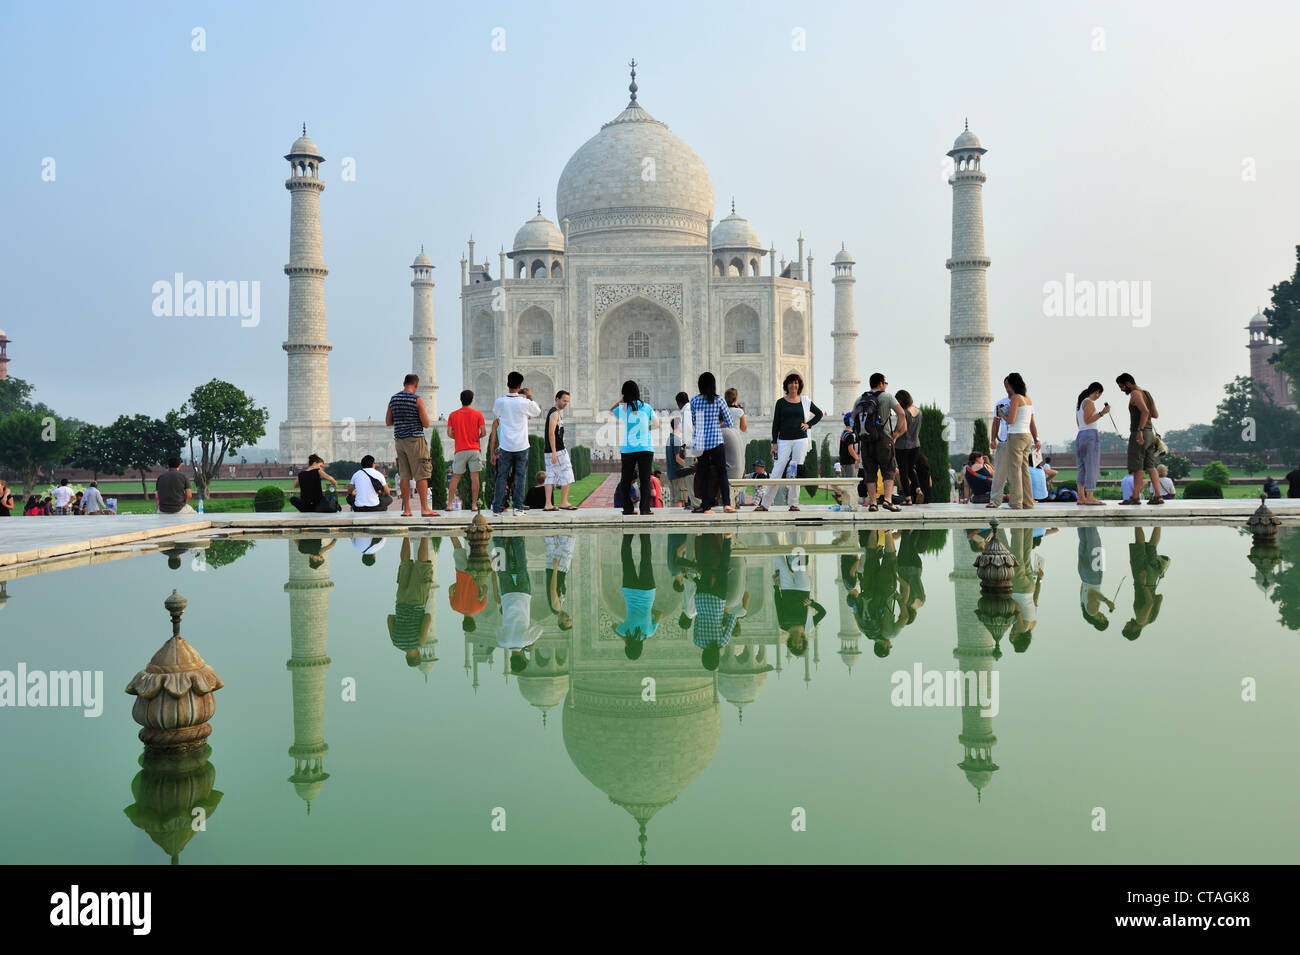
1284, 323
94, 450
224, 551
31, 442
827, 462
15, 395
1179, 467
1191, 438
221, 419
1246, 422
438, 479
980, 439
935, 448
142, 443
1216, 472
1251, 465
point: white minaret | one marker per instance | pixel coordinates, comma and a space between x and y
307, 428
422, 337
968, 336
845, 385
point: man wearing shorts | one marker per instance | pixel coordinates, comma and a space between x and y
467, 428
1143, 449
879, 454
559, 472
408, 418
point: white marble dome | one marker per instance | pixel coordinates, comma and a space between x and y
1259, 319
539, 233
422, 260
967, 140
843, 257
302, 146
635, 183
735, 232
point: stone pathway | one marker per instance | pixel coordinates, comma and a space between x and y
602, 496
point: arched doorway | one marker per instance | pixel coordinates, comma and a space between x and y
638, 339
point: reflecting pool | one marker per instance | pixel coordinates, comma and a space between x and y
798, 696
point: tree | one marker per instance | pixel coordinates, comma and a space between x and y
94, 450
1179, 467
221, 419
827, 462
980, 439
141, 443
1246, 422
30, 441
1284, 323
438, 478
1251, 465
935, 448
1216, 472
14, 396
1191, 438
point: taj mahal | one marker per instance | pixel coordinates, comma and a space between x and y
636, 281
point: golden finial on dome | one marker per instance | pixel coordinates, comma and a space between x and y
632, 87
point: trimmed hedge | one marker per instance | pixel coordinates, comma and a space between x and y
935, 449
269, 498
1203, 490
440, 471
580, 458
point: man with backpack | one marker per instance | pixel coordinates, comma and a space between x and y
877, 421
1143, 445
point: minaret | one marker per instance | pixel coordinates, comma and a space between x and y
976, 653
1261, 344
309, 606
422, 337
307, 428
968, 336
4, 359
845, 385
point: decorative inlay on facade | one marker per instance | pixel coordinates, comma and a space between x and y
668, 295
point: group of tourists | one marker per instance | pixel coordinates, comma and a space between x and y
62, 501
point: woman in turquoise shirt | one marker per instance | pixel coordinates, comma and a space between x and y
636, 445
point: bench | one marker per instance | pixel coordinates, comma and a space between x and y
850, 484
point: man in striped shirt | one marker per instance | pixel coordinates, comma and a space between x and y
408, 418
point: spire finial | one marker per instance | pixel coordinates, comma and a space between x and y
539, 207
304, 129
632, 86
733, 205
422, 248
966, 126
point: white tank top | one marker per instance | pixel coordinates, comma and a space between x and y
1021, 424
1083, 425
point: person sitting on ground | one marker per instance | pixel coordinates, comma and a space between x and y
535, 499
1271, 488
172, 491
309, 481
656, 488
33, 506
1166, 482
978, 477
366, 486
77, 506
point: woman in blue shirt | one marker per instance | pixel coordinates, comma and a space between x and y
636, 445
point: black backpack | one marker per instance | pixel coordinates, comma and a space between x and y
866, 418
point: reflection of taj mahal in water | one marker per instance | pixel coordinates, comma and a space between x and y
641, 754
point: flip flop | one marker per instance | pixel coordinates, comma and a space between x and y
568, 507
890, 506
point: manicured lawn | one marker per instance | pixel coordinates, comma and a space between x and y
117, 486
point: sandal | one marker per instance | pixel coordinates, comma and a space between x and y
872, 507
728, 509
794, 507
569, 507
890, 506
760, 508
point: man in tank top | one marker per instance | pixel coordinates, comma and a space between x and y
408, 418
1143, 450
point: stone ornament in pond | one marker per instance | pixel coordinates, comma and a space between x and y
174, 693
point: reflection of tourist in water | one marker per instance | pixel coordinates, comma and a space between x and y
642, 620
515, 597
468, 595
1091, 597
910, 588
315, 553
408, 624
714, 626
1026, 584
368, 546
878, 606
796, 612
681, 564
559, 557
1148, 567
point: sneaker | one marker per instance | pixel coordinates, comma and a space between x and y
520, 512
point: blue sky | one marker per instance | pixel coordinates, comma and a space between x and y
1124, 163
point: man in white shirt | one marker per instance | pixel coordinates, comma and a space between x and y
510, 432
63, 498
93, 501
362, 494
368, 547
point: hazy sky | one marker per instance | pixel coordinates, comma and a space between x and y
1166, 157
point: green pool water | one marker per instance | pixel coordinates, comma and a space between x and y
328, 746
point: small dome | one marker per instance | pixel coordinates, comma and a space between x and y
422, 260
302, 146
967, 140
539, 233
1259, 319
843, 257
735, 232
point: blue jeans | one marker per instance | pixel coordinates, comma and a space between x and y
518, 460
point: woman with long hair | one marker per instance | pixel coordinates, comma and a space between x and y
1087, 443
907, 449
732, 441
708, 414
1022, 437
636, 446
6, 499
792, 421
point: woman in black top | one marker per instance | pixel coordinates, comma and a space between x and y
6, 500
791, 422
309, 480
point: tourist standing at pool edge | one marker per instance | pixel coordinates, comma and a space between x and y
708, 410
510, 432
1143, 452
1022, 437
467, 429
871, 416
792, 419
1087, 444
559, 472
636, 445
408, 418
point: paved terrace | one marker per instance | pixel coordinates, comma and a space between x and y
35, 544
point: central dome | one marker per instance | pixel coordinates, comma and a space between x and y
635, 183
